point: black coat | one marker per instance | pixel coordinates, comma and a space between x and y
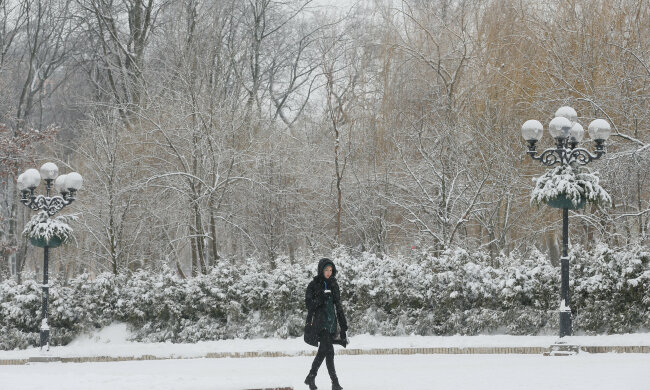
315, 302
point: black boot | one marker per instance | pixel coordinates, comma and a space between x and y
310, 380
336, 385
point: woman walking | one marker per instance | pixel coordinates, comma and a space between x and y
324, 311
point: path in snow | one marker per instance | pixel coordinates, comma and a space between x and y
412, 372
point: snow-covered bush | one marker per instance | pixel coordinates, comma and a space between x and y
457, 292
605, 282
576, 184
20, 308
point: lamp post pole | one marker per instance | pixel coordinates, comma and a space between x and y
566, 323
67, 185
567, 133
45, 328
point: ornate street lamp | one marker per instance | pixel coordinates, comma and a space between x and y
567, 133
67, 186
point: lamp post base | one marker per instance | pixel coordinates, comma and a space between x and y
565, 323
45, 335
562, 348
45, 339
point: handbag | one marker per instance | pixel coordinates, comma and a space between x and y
310, 335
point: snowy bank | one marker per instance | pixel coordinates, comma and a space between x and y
113, 341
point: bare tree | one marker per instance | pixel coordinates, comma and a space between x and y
120, 31
37, 39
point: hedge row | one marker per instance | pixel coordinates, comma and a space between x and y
455, 293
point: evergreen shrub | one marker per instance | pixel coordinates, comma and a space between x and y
457, 292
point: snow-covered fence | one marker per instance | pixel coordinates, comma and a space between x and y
458, 292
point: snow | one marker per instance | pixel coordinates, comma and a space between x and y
113, 341
564, 307
116, 333
576, 183
425, 372
567, 112
532, 130
41, 226
533, 372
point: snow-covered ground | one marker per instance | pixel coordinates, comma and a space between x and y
584, 371
112, 341
412, 372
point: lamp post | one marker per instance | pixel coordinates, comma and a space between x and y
567, 133
67, 186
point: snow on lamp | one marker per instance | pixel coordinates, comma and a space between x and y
567, 112
20, 183
532, 130
576, 134
599, 129
49, 171
31, 178
560, 127
73, 181
59, 184
66, 185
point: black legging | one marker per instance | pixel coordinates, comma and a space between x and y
325, 351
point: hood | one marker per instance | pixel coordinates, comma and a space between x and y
321, 267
